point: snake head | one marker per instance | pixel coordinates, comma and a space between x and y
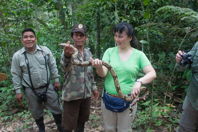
71, 45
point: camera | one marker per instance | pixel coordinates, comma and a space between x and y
186, 59
42, 97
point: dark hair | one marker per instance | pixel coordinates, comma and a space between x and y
128, 28
28, 30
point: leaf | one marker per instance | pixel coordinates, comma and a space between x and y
144, 42
146, 2
147, 15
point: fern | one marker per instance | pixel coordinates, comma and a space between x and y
184, 17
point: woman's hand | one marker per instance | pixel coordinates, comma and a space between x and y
136, 89
178, 56
96, 63
100, 69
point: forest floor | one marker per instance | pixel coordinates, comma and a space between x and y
21, 120
26, 124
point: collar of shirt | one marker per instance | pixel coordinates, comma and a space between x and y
37, 48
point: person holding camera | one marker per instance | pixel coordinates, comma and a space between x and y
189, 118
79, 82
32, 69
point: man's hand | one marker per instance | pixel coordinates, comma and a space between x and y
68, 49
95, 94
57, 85
19, 97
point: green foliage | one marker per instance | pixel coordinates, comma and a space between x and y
7, 97
153, 115
178, 16
162, 26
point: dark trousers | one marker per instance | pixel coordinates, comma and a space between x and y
75, 113
189, 118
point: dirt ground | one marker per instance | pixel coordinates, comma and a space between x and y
93, 125
28, 125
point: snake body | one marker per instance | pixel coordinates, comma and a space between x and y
75, 61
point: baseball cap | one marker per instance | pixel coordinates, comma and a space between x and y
79, 28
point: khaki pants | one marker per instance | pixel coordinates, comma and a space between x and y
37, 109
189, 118
117, 121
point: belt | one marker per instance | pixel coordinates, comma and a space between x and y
43, 86
117, 95
114, 95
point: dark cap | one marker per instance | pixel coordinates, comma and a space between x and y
79, 28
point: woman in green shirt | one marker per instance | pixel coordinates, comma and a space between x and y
127, 62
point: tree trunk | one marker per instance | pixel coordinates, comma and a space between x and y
59, 7
98, 49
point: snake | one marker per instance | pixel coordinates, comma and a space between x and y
134, 100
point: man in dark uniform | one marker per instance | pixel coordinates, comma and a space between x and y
79, 83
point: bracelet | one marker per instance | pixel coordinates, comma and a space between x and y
139, 81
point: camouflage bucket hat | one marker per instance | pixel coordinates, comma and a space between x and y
79, 28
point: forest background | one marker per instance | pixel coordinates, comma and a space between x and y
162, 28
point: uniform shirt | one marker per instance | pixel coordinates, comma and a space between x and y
127, 71
79, 80
37, 67
192, 91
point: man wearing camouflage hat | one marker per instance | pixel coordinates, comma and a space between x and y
79, 83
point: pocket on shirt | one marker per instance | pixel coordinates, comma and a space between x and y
23, 66
41, 61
